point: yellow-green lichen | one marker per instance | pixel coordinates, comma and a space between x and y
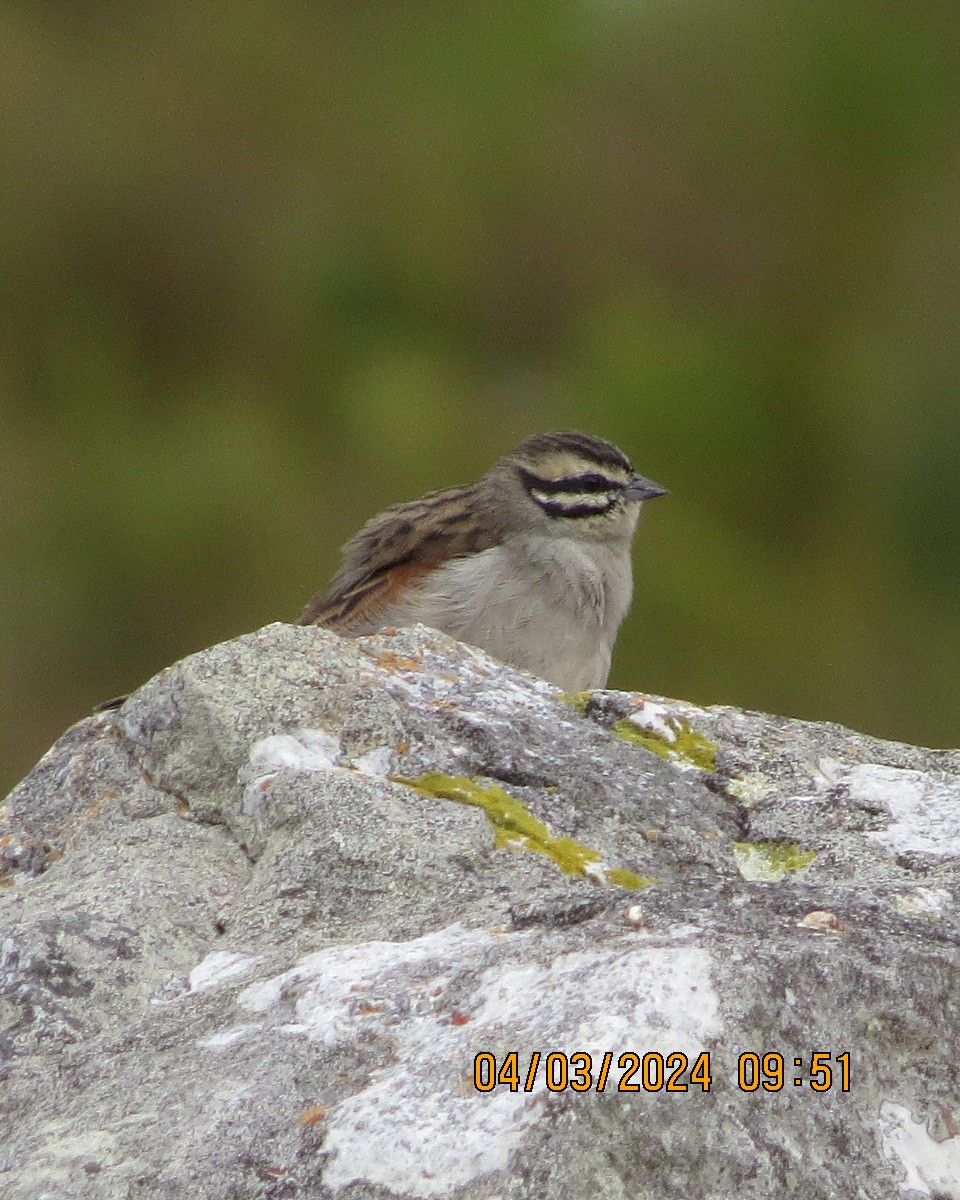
515, 825
768, 862
751, 789
687, 747
578, 701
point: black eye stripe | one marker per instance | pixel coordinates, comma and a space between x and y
558, 508
589, 482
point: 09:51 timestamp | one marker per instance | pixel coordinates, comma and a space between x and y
767, 1071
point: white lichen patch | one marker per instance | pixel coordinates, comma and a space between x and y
655, 998
420, 1127
931, 1168
827, 773
378, 763
219, 966
315, 988
924, 902
302, 750
229, 1036
924, 809
655, 719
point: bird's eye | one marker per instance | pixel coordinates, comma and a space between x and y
589, 482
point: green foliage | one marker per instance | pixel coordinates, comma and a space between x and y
270, 267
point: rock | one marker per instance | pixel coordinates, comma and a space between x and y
266, 928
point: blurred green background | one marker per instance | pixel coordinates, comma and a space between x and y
268, 266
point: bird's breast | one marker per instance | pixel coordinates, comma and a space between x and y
551, 608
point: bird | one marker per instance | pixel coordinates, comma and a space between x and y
532, 563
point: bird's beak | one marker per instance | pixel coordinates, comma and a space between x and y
643, 489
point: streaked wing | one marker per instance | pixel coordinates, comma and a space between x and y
393, 551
